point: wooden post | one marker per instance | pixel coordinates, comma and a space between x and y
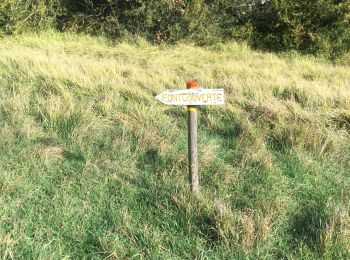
192, 142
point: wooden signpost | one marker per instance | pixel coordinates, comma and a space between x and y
192, 97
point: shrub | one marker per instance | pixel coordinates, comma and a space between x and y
17, 16
309, 26
156, 20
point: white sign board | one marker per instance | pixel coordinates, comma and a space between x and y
191, 97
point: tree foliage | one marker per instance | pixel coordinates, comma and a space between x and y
17, 16
156, 20
309, 26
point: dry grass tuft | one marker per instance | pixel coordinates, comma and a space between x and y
51, 153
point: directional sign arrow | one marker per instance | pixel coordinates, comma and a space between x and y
192, 97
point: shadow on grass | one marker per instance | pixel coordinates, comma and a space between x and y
70, 156
309, 223
225, 126
310, 216
183, 214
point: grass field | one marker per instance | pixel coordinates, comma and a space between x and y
93, 167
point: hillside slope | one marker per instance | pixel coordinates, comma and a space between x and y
91, 165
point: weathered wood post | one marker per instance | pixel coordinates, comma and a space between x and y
192, 142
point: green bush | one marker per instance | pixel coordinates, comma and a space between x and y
156, 20
17, 16
309, 26
232, 17
314, 26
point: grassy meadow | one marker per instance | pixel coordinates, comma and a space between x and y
93, 167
